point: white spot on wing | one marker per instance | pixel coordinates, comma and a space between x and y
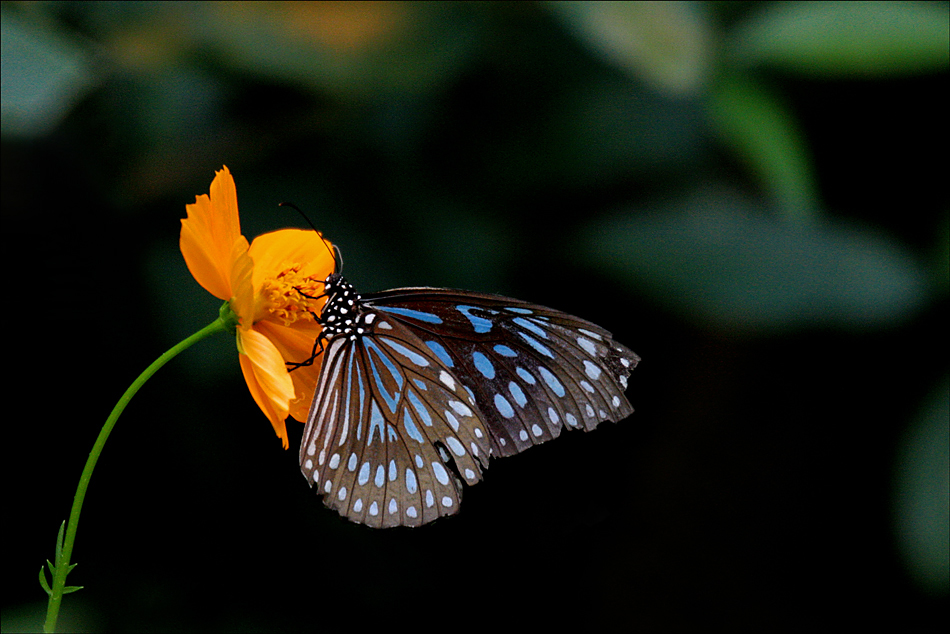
460, 408
453, 421
455, 446
447, 379
587, 345
591, 334
440, 474
591, 370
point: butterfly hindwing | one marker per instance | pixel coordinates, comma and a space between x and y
390, 431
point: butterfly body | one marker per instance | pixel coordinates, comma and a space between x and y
421, 386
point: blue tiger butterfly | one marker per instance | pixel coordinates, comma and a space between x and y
421, 386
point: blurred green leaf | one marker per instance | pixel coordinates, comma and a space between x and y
359, 49
43, 76
923, 495
762, 132
720, 262
668, 44
845, 38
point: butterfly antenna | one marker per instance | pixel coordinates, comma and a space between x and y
335, 252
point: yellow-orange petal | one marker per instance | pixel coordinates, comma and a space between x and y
208, 235
275, 251
295, 344
267, 378
240, 282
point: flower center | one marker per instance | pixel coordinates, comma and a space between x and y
287, 293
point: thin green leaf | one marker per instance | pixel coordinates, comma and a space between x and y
43, 582
59, 543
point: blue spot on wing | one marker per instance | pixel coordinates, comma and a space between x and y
440, 352
552, 381
413, 356
527, 376
528, 325
420, 408
534, 343
480, 324
504, 407
484, 365
518, 394
412, 314
376, 353
353, 374
376, 421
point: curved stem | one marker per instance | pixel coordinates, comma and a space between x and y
62, 566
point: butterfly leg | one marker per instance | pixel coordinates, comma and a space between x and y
320, 296
318, 347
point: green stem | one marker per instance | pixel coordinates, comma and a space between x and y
62, 566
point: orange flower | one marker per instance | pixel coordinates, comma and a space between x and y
264, 283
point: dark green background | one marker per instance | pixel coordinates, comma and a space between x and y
752, 196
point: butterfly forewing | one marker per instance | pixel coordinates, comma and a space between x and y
533, 370
419, 386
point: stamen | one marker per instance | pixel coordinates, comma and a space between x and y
286, 296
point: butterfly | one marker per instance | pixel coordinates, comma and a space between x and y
421, 386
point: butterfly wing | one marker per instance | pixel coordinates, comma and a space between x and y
531, 370
391, 431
